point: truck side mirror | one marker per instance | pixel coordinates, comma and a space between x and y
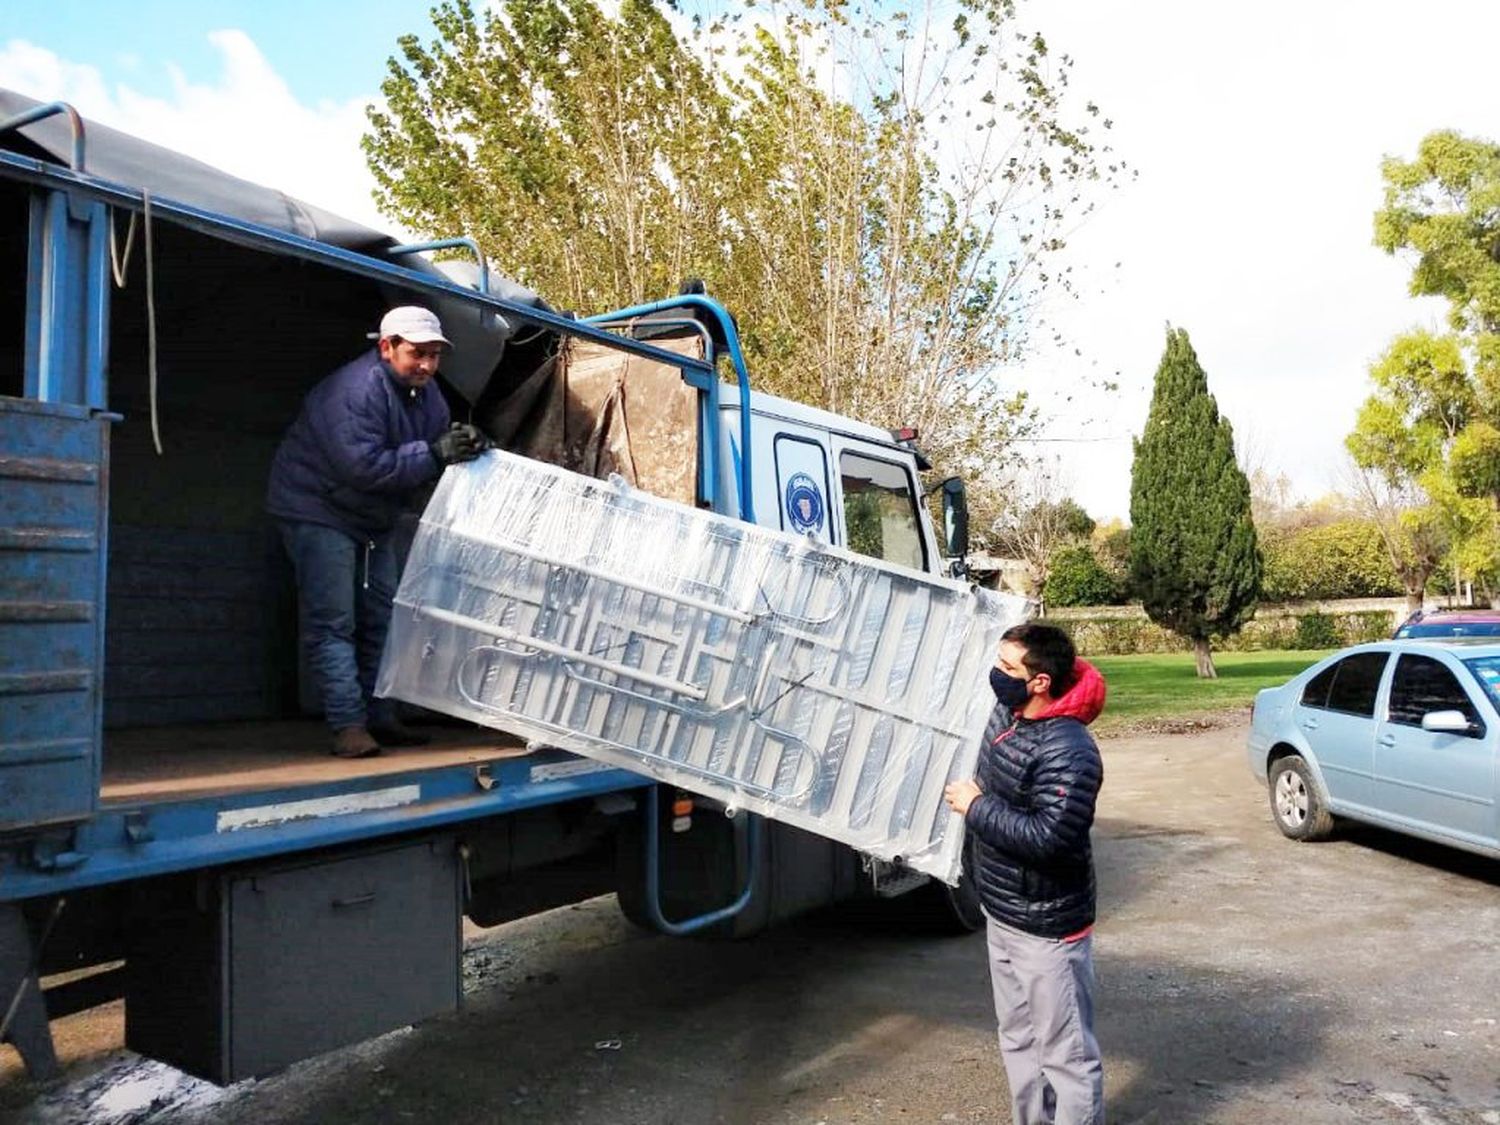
955, 519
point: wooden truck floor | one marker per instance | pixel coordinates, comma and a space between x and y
209, 759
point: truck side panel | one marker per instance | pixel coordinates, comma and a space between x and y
54, 470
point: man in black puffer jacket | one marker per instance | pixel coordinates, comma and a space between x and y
1030, 810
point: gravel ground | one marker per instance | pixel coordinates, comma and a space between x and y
1242, 978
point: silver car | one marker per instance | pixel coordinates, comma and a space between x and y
1403, 734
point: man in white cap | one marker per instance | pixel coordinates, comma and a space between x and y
368, 438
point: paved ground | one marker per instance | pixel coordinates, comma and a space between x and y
1243, 979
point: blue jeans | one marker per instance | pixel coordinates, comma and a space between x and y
345, 587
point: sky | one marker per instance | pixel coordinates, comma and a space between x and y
1256, 132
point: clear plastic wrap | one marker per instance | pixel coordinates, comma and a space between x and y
771, 672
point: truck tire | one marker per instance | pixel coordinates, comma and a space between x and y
1296, 802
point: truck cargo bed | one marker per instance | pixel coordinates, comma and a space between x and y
147, 764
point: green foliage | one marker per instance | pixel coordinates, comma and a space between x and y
1444, 206
1423, 395
1194, 560
1114, 549
1343, 559
1120, 632
862, 519
1316, 630
1077, 578
580, 150
1073, 520
1035, 532
1474, 460
1431, 431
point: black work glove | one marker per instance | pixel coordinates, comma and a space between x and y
462, 442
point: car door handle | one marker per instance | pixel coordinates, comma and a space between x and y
1388, 740
1309, 724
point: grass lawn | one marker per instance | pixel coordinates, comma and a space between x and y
1164, 685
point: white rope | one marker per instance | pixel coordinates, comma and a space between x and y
151, 320
117, 261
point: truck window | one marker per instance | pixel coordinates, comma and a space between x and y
880, 510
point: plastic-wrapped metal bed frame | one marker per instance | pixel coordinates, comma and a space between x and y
771, 672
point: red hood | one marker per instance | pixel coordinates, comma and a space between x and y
1084, 700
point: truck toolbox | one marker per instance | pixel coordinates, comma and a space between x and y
246, 971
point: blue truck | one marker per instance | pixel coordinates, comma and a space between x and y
171, 829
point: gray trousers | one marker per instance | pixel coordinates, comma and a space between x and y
1044, 1002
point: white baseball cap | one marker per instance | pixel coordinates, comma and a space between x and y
414, 324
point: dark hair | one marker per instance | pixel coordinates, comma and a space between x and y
1048, 650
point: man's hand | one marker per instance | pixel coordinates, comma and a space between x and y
462, 442
960, 795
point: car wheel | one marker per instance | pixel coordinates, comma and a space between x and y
1296, 804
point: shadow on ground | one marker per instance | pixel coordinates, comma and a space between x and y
845, 1017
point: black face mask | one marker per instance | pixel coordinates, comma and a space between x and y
1009, 690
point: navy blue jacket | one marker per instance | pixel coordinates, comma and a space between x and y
358, 450
1040, 777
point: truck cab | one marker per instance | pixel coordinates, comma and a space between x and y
852, 484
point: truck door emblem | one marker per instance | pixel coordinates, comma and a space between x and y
804, 503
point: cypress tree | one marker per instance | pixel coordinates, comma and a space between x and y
1194, 561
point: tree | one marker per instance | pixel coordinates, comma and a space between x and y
880, 202
1112, 549
1423, 398
1343, 559
1411, 526
1077, 578
1444, 207
1194, 561
1031, 520
1429, 436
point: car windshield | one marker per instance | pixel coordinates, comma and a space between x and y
1451, 629
1486, 670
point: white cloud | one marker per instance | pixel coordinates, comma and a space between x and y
246, 121
1258, 132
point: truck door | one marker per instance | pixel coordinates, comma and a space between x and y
53, 477
802, 486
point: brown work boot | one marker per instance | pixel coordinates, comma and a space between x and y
354, 742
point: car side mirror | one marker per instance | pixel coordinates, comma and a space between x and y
1447, 722
955, 518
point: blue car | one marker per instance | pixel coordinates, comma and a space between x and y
1403, 734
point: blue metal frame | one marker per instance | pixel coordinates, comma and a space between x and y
132, 841
68, 255
450, 244
653, 874
52, 109
736, 356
